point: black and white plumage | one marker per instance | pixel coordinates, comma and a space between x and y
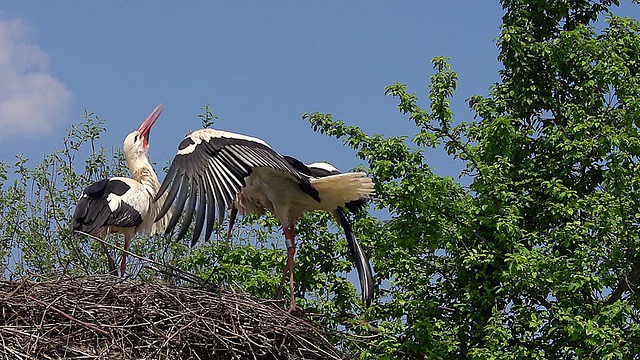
124, 205
216, 170
322, 169
210, 169
104, 203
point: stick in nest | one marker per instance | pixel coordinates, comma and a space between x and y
106, 317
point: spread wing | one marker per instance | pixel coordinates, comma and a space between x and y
209, 171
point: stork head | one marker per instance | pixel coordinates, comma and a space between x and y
136, 143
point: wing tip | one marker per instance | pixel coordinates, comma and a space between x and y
363, 266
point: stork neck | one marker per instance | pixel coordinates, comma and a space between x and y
142, 171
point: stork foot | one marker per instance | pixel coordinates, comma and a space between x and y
295, 310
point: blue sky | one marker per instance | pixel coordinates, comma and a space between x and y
260, 65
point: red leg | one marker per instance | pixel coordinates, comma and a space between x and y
110, 263
123, 265
232, 220
292, 252
289, 234
285, 272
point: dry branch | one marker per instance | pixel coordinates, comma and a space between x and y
105, 317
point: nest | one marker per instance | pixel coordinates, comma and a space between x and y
105, 317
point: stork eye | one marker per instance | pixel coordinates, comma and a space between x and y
135, 139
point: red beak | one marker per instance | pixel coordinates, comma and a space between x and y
145, 127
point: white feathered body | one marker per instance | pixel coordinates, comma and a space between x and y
268, 189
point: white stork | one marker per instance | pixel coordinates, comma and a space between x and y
318, 170
124, 205
216, 170
322, 169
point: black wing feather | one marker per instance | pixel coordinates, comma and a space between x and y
182, 197
90, 215
93, 211
357, 254
211, 173
171, 195
202, 208
125, 216
359, 257
211, 214
301, 167
191, 208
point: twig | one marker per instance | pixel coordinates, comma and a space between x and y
172, 270
50, 306
6, 297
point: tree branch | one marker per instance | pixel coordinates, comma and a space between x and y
627, 282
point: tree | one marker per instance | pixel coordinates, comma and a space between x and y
35, 203
539, 258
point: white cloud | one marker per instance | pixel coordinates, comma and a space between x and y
31, 99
